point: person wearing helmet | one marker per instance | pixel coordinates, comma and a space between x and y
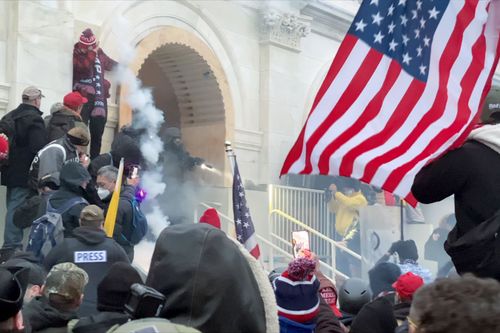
353, 294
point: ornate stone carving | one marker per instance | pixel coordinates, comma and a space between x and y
284, 29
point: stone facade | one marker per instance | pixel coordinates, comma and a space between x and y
269, 58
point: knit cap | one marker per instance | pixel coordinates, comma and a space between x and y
296, 291
211, 217
114, 288
407, 284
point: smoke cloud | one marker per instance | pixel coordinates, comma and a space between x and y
147, 118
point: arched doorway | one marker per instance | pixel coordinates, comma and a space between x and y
188, 84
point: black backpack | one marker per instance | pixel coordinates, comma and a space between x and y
8, 128
478, 250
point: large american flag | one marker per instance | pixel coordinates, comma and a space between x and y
245, 230
406, 84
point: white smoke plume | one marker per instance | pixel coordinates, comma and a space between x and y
147, 118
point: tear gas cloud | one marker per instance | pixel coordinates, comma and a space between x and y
147, 118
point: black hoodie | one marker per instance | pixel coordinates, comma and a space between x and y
72, 176
31, 136
96, 255
208, 283
42, 317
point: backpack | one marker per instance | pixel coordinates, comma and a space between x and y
8, 128
139, 224
48, 230
478, 250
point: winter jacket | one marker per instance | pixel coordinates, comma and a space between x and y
83, 68
92, 251
70, 188
290, 326
375, 317
219, 287
326, 321
346, 209
125, 219
401, 311
61, 120
470, 173
43, 318
98, 323
30, 137
48, 162
434, 247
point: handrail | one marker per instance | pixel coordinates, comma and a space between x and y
274, 246
315, 232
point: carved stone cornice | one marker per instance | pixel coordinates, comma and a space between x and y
328, 18
283, 29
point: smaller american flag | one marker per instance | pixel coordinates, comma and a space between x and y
245, 231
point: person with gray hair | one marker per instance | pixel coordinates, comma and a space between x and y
27, 135
106, 181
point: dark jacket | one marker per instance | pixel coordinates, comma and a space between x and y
98, 323
71, 179
401, 310
30, 137
61, 120
47, 164
434, 247
213, 289
375, 317
125, 219
42, 317
98, 253
326, 321
471, 174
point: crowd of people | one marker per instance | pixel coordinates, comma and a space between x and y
70, 275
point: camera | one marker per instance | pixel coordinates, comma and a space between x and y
144, 302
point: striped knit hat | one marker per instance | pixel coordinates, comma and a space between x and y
296, 291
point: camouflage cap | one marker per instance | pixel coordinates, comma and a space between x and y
92, 213
31, 93
67, 280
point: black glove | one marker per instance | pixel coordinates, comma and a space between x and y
395, 247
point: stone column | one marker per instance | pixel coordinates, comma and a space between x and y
282, 88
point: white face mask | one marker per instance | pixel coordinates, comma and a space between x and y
103, 193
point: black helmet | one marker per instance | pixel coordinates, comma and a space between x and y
353, 295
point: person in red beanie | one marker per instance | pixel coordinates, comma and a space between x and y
405, 287
64, 116
89, 64
210, 216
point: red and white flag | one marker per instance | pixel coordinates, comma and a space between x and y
406, 85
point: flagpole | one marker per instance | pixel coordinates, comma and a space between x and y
230, 155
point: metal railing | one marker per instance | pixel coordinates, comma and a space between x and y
295, 209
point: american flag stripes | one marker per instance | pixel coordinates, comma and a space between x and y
406, 84
245, 230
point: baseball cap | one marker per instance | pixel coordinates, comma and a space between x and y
67, 280
73, 100
32, 93
407, 284
78, 136
92, 213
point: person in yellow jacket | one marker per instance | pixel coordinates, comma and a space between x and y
346, 205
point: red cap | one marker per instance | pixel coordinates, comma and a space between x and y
73, 100
407, 284
211, 217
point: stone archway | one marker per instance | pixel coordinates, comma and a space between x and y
189, 84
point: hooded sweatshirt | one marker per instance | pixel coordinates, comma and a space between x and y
92, 251
42, 317
210, 283
470, 173
61, 120
71, 178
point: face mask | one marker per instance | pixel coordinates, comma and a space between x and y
349, 192
103, 193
